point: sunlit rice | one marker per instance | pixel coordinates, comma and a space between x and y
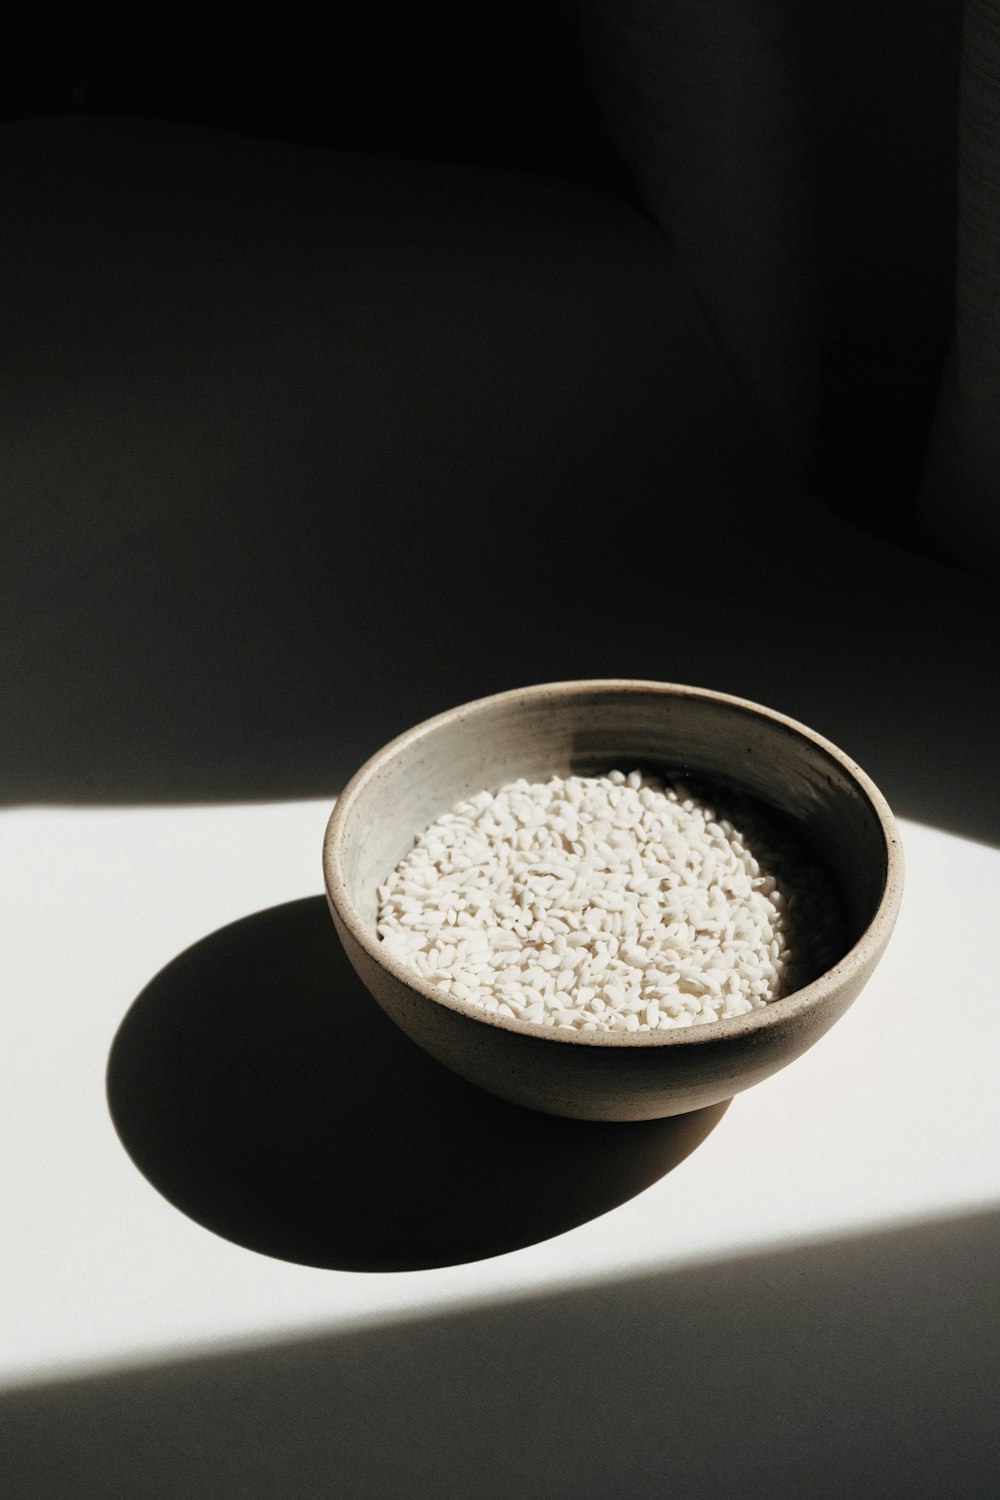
608, 903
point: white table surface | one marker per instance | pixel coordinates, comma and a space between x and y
892, 1119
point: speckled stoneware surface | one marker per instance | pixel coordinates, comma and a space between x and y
588, 728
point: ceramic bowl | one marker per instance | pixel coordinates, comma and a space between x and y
587, 728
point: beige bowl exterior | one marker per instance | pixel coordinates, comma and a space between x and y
586, 728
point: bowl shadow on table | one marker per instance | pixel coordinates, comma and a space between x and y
261, 1090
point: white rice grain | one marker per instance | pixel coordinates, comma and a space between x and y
612, 902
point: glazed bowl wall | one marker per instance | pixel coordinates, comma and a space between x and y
587, 728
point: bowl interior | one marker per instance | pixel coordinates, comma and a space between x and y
722, 743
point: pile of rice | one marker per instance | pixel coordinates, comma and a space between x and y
607, 903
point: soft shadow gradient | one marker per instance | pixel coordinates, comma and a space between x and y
259, 1087
860, 1366
304, 446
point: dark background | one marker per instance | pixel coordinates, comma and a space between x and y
352, 375
451, 81
846, 156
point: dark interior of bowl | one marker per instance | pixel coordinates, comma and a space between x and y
729, 749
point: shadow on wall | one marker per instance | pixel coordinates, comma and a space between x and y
304, 446
260, 1088
802, 165
861, 1366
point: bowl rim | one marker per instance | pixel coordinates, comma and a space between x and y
867, 947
